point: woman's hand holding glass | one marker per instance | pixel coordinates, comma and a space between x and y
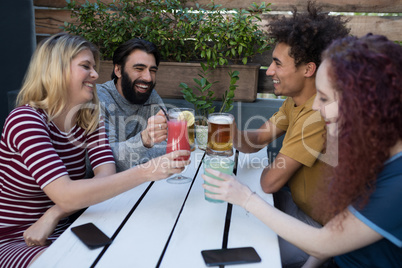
166, 165
229, 189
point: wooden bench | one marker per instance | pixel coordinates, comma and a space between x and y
50, 16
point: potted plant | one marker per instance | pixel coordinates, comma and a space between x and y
226, 38
183, 34
202, 96
163, 22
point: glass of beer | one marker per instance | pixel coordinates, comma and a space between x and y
220, 134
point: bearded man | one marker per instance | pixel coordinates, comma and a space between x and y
134, 122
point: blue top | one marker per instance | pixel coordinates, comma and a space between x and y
383, 214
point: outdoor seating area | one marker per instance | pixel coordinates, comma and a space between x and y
110, 150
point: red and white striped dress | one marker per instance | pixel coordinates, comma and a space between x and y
33, 153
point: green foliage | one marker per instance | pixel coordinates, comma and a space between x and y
202, 95
227, 103
164, 23
231, 36
211, 33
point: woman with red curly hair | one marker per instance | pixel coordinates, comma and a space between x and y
359, 95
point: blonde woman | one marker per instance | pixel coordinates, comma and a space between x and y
43, 147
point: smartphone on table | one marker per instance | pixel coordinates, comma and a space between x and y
228, 256
91, 236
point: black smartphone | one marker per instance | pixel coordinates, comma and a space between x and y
91, 236
216, 257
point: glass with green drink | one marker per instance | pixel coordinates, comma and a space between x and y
222, 164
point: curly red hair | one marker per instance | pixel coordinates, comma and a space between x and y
367, 73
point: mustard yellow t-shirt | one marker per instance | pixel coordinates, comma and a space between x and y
303, 142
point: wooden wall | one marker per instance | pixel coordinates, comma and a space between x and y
50, 16
48, 21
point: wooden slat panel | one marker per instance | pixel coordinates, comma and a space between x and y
388, 26
61, 3
280, 5
49, 21
328, 5
360, 25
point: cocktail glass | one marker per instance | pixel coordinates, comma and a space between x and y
177, 140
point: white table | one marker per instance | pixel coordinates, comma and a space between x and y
167, 225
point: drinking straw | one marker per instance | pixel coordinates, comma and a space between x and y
163, 110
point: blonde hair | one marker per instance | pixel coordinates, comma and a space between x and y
46, 81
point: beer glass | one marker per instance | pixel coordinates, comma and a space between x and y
220, 134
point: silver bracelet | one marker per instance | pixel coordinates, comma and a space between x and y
248, 199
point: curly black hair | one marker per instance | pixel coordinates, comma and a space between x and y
309, 33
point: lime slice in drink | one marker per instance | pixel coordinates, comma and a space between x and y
188, 116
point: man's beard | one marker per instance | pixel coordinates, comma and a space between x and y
129, 91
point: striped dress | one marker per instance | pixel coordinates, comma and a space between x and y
33, 153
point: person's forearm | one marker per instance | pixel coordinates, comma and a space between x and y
110, 186
289, 228
39, 232
132, 152
83, 193
267, 185
248, 141
56, 213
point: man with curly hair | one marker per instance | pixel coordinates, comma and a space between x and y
294, 174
